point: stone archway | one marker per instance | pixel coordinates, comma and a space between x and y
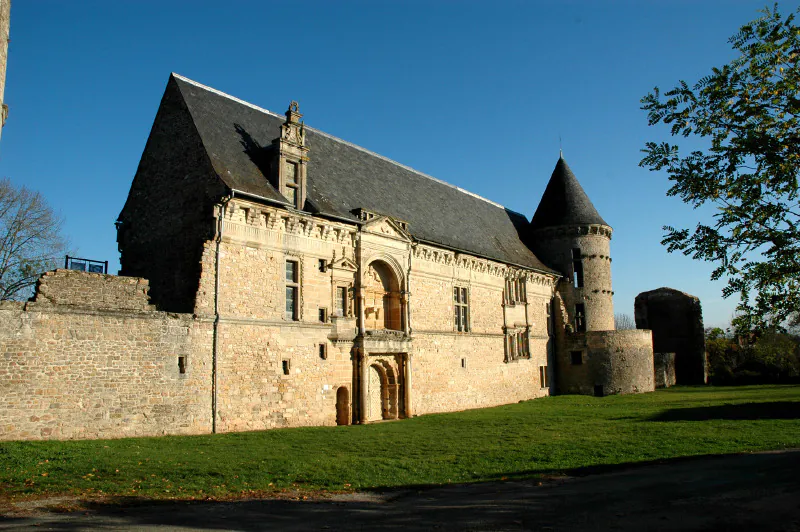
381, 292
376, 393
342, 406
391, 405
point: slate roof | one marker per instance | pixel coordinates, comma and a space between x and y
564, 202
343, 177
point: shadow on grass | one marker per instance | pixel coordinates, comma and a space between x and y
512, 505
743, 411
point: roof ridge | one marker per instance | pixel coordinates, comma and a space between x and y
333, 137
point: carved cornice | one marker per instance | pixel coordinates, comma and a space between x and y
251, 222
497, 269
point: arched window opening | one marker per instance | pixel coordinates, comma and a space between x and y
382, 305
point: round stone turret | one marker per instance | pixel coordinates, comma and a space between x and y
570, 236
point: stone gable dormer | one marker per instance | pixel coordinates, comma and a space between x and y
387, 227
290, 168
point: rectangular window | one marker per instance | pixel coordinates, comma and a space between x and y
518, 345
514, 291
291, 195
548, 318
292, 185
577, 268
323, 265
286, 366
464, 363
291, 271
181, 365
461, 304
292, 290
323, 351
543, 376
341, 301
580, 318
323, 315
576, 358
291, 173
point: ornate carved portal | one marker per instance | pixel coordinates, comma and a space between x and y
382, 304
384, 394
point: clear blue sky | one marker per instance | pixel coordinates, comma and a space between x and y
474, 93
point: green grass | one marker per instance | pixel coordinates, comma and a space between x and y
550, 435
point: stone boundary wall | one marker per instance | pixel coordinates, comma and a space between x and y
93, 290
72, 369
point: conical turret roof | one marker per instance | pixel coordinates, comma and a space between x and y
564, 202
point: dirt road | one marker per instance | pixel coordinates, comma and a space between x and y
743, 492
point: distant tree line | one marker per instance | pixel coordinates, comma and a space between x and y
771, 357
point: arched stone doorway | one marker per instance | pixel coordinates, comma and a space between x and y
381, 290
342, 406
383, 392
376, 391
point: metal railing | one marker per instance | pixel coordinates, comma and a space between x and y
85, 265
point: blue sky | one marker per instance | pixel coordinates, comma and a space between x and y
475, 93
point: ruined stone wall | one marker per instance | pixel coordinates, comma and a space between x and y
676, 319
607, 363
169, 212
96, 291
664, 368
71, 367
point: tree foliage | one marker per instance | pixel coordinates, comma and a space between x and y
30, 240
746, 113
773, 357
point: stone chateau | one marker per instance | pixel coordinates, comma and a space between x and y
274, 276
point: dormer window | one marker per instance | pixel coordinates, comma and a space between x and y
291, 187
291, 155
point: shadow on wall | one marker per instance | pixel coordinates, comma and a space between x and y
745, 411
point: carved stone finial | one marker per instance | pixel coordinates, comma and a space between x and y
293, 114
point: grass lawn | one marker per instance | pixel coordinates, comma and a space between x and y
550, 435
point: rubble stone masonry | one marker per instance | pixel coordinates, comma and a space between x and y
73, 367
